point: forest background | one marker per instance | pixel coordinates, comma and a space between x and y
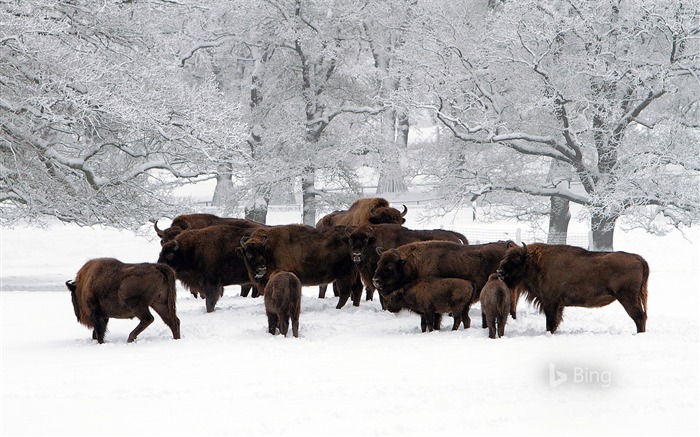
107, 107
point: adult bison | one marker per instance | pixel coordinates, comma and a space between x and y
441, 259
364, 241
205, 260
198, 221
107, 288
315, 256
556, 276
372, 210
367, 211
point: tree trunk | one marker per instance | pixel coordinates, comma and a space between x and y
257, 211
309, 196
602, 229
223, 191
395, 133
559, 217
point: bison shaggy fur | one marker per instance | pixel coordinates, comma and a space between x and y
431, 297
283, 303
107, 288
554, 276
495, 305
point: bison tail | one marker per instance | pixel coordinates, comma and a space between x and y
171, 290
644, 290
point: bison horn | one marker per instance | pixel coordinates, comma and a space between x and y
158, 230
347, 231
176, 245
379, 250
244, 239
370, 230
405, 210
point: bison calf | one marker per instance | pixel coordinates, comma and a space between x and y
283, 302
106, 288
431, 297
495, 305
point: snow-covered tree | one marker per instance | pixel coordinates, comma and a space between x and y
604, 89
97, 119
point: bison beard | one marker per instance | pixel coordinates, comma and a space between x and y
106, 288
431, 297
556, 276
283, 303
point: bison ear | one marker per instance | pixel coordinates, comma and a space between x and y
244, 239
379, 250
71, 285
510, 243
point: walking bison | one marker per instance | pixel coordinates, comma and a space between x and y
283, 303
431, 297
495, 306
556, 276
107, 288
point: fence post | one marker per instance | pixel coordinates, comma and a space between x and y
518, 236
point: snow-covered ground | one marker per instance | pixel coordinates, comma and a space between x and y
354, 371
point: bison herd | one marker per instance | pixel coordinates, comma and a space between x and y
428, 272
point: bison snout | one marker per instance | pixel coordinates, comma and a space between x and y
501, 274
356, 257
260, 272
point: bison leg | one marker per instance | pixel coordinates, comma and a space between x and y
272, 323
423, 324
356, 293
484, 324
514, 303
161, 308
283, 323
145, 318
256, 291
322, 291
245, 289
634, 309
553, 315
457, 319
336, 292
465, 316
369, 293
98, 333
430, 320
295, 326
491, 322
502, 324
212, 294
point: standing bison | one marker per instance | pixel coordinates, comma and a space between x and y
316, 256
431, 297
556, 276
495, 305
106, 288
365, 240
442, 259
373, 210
205, 260
283, 303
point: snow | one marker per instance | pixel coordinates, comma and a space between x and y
354, 371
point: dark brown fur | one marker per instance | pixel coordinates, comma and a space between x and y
431, 297
364, 241
373, 210
443, 259
315, 256
495, 306
205, 260
283, 303
106, 288
556, 276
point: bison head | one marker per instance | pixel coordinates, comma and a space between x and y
388, 274
361, 241
513, 266
170, 253
170, 233
254, 252
71, 285
395, 301
382, 214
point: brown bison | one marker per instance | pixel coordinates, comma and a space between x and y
373, 210
556, 276
442, 259
107, 288
205, 260
365, 240
198, 221
495, 305
431, 297
316, 256
283, 303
